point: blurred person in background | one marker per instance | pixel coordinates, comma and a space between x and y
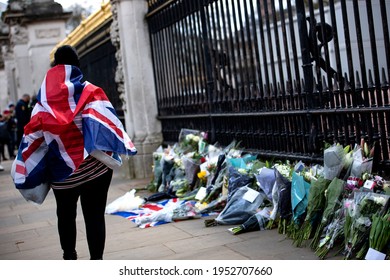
22, 114
5, 135
12, 130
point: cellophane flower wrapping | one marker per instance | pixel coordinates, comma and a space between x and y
359, 216
191, 167
360, 163
379, 237
284, 203
315, 208
265, 180
166, 166
157, 170
333, 203
334, 161
237, 179
256, 222
282, 173
299, 196
189, 140
238, 209
332, 232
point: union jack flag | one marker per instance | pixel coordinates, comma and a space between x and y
71, 120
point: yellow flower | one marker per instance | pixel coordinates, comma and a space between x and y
202, 175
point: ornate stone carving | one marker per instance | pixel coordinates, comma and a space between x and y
19, 34
16, 5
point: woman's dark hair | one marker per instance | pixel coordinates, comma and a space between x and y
66, 55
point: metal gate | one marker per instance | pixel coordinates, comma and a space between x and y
280, 76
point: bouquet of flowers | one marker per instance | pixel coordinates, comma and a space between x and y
334, 161
299, 198
157, 170
265, 178
315, 208
333, 231
282, 181
379, 237
256, 222
333, 202
357, 229
284, 207
243, 204
362, 159
189, 140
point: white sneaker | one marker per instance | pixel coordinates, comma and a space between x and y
1, 168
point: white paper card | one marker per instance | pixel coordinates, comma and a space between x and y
373, 254
369, 184
201, 193
250, 195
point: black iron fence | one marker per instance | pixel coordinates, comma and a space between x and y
280, 76
99, 63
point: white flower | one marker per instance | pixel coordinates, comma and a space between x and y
380, 200
196, 138
189, 137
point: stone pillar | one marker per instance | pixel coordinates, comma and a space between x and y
139, 97
43, 37
10, 80
22, 72
35, 26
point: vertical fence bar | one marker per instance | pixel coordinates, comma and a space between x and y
374, 53
172, 65
271, 53
339, 76
243, 49
305, 49
193, 95
264, 55
232, 58
259, 80
279, 57
289, 100
362, 62
251, 76
386, 39
219, 61
348, 49
214, 52
325, 39
208, 70
198, 62
227, 71
297, 79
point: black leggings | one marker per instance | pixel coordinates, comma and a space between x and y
93, 197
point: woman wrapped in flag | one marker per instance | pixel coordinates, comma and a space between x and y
72, 142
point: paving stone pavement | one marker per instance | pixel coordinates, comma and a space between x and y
29, 232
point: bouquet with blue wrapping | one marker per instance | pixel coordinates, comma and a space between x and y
299, 199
